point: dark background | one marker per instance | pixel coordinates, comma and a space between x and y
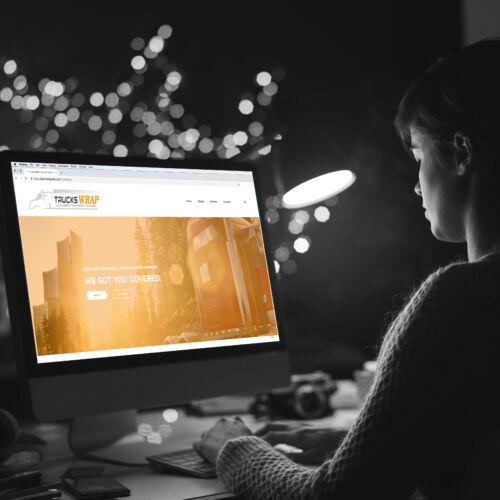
346, 68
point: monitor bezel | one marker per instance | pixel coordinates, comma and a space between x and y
16, 283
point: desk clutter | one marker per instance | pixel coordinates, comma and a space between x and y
27, 485
80, 482
307, 397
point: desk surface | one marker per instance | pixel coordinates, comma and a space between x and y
146, 484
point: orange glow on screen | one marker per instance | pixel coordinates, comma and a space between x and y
98, 283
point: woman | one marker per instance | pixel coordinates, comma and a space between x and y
435, 393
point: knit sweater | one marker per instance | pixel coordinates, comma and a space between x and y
434, 392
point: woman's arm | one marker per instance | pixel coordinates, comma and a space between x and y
406, 424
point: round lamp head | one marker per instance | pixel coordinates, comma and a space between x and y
318, 189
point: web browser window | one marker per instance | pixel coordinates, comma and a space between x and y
130, 260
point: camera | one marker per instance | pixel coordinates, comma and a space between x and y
307, 397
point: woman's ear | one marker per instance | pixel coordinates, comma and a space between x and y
463, 153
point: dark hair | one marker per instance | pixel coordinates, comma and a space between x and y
460, 92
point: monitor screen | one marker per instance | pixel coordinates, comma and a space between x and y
130, 263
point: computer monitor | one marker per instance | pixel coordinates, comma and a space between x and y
136, 283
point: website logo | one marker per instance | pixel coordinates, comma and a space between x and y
65, 198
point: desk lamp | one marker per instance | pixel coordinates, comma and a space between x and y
318, 189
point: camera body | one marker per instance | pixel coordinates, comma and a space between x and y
307, 397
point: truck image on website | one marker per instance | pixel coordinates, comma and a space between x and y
44, 199
230, 275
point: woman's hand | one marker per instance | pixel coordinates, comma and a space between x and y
317, 443
213, 440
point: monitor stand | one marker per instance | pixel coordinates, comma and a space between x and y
109, 438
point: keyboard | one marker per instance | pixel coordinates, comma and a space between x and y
188, 461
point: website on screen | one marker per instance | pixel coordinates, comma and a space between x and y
124, 260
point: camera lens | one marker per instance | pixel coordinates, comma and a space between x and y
309, 402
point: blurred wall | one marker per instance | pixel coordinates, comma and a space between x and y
481, 18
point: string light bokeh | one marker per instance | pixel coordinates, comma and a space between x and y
142, 116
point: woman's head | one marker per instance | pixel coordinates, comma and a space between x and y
459, 93
449, 118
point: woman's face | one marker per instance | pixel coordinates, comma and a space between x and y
440, 188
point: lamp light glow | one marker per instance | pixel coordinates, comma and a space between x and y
318, 189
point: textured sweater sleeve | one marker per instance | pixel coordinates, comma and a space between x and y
404, 424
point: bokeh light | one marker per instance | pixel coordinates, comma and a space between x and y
170, 415
229, 141
282, 254
156, 44
108, 137
264, 99
95, 123
138, 63
138, 43
206, 145
295, 227
246, 107
124, 89
47, 100
73, 114
270, 89
120, 150
20, 82
115, 116
272, 216
322, 214
302, 216
165, 31
256, 129
167, 127
112, 100
53, 88
32, 102
155, 146
78, 100
173, 141
61, 120
148, 117
61, 103
231, 152
263, 78
176, 111
302, 244
96, 99
154, 128
10, 67
164, 102
16, 102
6, 94
240, 138
174, 78
52, 136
